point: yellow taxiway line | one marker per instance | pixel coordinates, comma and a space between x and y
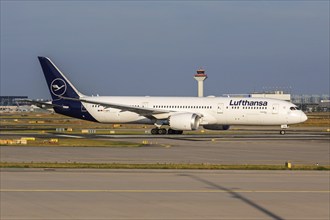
160, 191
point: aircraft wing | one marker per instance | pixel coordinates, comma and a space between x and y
147, 112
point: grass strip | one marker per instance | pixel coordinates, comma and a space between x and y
158, 166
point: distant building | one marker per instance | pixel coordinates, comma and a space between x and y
324, 105
273, 95
309, 103
312, 103
309, 99
10, 100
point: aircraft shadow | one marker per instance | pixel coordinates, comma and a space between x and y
236, 195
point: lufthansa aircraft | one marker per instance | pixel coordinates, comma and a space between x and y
177, 113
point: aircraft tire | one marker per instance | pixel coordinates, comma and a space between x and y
162, 131
154, 131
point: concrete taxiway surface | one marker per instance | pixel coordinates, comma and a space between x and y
163, 194
237, 150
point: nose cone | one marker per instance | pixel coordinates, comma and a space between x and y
303, 117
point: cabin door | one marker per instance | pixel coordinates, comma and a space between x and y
275, 108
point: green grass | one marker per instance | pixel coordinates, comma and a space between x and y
158, 166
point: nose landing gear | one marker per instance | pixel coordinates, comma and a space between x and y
283, 131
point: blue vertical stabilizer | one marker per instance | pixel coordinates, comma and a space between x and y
57, 83
63, 92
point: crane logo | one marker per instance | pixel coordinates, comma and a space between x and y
58, 87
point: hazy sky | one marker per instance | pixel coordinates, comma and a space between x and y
155, 48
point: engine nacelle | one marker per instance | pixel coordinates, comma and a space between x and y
184, 121
216, 127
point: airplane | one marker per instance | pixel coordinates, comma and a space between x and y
177, 114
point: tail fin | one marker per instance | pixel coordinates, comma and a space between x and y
59, 86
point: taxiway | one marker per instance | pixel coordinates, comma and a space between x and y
163, 194
266, 149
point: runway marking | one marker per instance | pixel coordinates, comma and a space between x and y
161, 191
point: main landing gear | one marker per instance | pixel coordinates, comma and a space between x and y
164, 131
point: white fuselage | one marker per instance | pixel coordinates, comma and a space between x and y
214, 110
180, 113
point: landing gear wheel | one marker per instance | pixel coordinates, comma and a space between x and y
154, 131
282, 132
162, 131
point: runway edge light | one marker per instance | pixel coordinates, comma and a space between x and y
288, 165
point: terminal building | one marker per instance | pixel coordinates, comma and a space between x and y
10, 100
312, 102
17, 104
10, 103
273, 95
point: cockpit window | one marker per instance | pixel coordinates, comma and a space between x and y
294, 108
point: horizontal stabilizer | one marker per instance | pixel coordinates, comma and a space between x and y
43, 105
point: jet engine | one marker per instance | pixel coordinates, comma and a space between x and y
216, 127
184, 121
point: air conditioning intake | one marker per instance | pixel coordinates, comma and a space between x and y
184, 121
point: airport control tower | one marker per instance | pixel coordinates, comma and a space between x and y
200, 77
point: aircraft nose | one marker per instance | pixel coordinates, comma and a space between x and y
303, 117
